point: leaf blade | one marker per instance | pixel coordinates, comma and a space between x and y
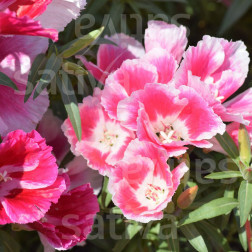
6, 81
224, 175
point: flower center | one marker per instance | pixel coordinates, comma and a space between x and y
109, 139
168, 135
154, 193
217, 97
4, 177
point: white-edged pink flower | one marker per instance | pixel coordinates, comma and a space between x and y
103, 140
220, 65
167, 36
29, 181
68, 222
131, 76
110, 57
50, 128
79, 174
16, 56
142, 183
38, 18
170, 117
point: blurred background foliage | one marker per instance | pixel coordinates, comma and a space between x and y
229, 19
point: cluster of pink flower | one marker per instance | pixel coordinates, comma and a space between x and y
153, 105
59, 204
151, 108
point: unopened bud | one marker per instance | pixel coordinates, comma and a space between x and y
244, 145
187, 197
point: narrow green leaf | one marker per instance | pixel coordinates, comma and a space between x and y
228, 145
224, 175
52, 67
130, 232
6, 81
244, 145
218, 240
245, 201
210, 210
194, 237
74, 69
8, 243
69, 99
106, 196
241, 230
81, 43
34, 75
237, 9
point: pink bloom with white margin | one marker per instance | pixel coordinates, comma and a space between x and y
142, 183
131, 76
30, 17
68, 222
79, 174
29, 181
110, 57
170, 117
16, 56
50, 128
103, 140
221, 65
167, 36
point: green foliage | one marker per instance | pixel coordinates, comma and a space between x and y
6, 81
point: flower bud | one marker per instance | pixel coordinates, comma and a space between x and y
72, 68
244, 145
187, 197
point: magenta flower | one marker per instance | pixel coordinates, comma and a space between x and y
110, 57
103, 140
170, 117
142, 183
29, 181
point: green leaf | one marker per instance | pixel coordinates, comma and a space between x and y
218, 240
79, 44
8, 243
130, 232
241, 230
237, 9
244, 145
69, 99
194, 237
245, 201
224, 175
106, 196
52, 67
74, 69
210, 210
6, 81
228, 145
34, 75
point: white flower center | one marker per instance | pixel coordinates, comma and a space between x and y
217, 97
154, 193
168, 135
109, 139
4, 177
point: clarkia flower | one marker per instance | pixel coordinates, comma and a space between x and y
142, 183
29, 181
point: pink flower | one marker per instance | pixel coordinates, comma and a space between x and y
79, 174
142, 183
110, 57
167, 36
103, 140
50, 128
30, 17
221, 67
68, 222
16, 57
170, 117
28, 178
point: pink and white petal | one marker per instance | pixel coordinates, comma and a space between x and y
4, 218
79, 174
164, 62
10, 24
26, 206
97, 72
197, 121
61, 12
167, 36
177, 175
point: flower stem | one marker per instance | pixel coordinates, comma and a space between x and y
248, 232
